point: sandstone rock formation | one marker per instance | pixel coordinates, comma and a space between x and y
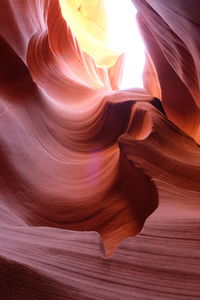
100, 187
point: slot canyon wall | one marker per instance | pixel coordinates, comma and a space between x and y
100, 187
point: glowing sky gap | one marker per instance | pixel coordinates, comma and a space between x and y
123, 24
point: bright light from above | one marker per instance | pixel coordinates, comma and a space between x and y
124, 33
104, 30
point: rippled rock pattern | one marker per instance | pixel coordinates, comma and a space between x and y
100, 188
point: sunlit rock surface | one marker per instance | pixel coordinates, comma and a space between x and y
100, 188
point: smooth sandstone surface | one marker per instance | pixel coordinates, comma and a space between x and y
99, 187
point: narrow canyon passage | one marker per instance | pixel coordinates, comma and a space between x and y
100, 171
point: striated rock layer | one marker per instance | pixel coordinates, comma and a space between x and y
100, 188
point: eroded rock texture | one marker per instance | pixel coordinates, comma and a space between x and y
83, 165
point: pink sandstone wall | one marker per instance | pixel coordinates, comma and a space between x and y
99, 188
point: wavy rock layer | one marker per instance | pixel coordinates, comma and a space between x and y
83, 165
171, 31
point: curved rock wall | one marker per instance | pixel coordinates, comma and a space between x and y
100, 188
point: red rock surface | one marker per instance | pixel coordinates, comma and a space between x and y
100, 188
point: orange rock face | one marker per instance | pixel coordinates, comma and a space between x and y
100, 188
